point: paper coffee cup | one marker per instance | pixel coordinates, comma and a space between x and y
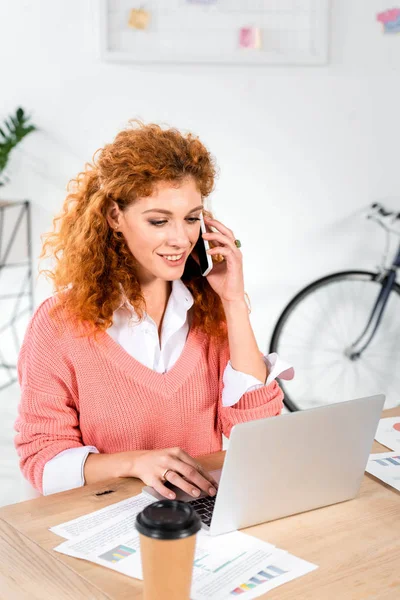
167, 545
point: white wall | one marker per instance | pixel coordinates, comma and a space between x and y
301, 150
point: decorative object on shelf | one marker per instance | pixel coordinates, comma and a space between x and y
250, 37
15, 128
139, 18
16, 285
201, 1
390, 20
293, 32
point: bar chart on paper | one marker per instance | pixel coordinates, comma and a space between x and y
388, 462
386, 467
262, 576
388, 433
118, 553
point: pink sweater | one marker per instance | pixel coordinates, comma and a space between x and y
77, 391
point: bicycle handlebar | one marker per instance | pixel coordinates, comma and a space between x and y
381, 210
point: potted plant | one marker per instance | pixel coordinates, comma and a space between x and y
15, 128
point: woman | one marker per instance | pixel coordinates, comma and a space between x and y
139, 363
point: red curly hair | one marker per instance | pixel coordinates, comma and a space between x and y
92, 261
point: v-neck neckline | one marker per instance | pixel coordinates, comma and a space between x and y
133, 368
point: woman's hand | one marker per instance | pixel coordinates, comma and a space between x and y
226, 278
182, 471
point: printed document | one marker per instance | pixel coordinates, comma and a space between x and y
385, 466
224, 566
388, 433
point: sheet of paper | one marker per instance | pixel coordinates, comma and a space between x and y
388, 433
385, 466
107, 544
224, 566
252, 577
99, 518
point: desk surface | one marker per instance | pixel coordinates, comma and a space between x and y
355, 544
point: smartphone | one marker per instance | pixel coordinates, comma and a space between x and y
201, 247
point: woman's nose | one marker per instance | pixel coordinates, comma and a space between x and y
179, 236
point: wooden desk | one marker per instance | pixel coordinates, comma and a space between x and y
356, 545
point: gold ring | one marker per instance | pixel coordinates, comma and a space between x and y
163, 476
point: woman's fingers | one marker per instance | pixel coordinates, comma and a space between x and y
181, 483
185, 457
179, 469
207, 475
188, 478
174, 465
163, 490
191, 461
221, 239
220, 226
222, 250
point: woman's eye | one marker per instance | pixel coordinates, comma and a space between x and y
191, 220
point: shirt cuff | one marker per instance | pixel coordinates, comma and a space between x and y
65, 470
237, 383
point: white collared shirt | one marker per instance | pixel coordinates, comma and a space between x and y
141, 340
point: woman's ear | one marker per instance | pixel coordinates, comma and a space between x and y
113, 215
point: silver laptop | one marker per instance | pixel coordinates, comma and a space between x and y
289, 464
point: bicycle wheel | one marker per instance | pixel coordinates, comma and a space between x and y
317, 326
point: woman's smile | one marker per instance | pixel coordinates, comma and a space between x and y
173, 260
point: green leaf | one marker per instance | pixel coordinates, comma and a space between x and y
18, 127
9, 126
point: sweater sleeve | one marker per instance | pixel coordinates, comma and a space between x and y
267, 401
47, 421
66, 470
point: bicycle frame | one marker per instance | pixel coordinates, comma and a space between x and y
387, 282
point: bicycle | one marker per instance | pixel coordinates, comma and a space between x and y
342, 332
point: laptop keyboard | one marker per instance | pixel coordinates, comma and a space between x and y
204, 508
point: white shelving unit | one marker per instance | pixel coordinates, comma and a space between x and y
293, 32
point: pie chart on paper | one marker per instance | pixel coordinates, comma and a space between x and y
388, 433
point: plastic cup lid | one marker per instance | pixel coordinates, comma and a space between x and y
168, 520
